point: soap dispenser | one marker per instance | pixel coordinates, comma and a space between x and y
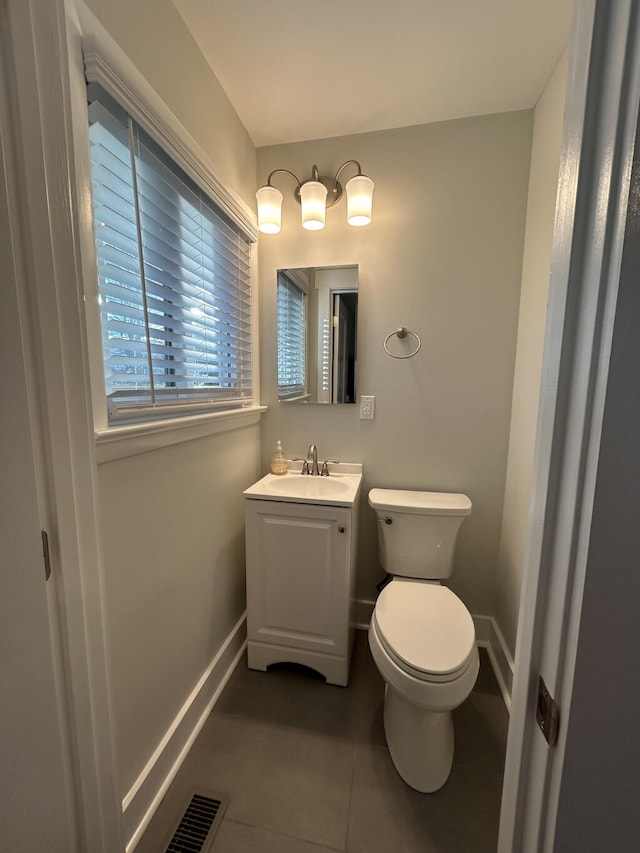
278, 460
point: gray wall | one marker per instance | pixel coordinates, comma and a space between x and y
541, 205
172, 524
443, 257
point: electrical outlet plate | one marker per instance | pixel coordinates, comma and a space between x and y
367, 408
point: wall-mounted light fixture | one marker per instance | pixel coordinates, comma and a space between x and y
315, 195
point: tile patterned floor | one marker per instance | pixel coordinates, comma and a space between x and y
307, 771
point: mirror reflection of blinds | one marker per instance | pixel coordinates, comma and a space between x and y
173, 275
292, 339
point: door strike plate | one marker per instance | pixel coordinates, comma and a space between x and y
547, 713
46, 556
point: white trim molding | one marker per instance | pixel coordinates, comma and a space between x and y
131, 440
489, 636
44, 176
364, 611
145, 795
600, 116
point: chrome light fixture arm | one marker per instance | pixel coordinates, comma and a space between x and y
287, 172
348, 163
333, 185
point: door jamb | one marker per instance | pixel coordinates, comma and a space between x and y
56, 344
601, 112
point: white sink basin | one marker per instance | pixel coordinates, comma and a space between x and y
307, 487
340, 488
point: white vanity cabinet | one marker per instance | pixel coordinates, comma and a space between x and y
300, 584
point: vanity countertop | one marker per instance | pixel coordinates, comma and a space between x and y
340, 488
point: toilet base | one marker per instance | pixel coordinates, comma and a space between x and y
420, 742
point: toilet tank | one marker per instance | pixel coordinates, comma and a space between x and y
417, 531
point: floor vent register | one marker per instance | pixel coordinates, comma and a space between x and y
198, 825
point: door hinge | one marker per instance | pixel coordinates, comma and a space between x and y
46, 555
547, 713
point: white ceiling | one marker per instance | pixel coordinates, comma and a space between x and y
308, 69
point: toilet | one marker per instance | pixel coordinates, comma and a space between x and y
421, 635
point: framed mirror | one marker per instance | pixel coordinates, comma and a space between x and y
317, 328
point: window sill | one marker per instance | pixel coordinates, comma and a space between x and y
132, 439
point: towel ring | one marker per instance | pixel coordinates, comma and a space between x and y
402, 333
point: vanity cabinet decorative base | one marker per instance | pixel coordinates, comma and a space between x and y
300, 585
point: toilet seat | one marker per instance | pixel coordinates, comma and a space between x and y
425, 629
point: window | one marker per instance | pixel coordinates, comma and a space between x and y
292, 339
173, 277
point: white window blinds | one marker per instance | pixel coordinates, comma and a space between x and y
173, 274
292, 339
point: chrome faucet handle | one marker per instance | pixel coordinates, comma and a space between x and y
305, 464
325, 466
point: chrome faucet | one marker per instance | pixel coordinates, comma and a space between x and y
312, 458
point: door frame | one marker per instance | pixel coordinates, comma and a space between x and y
54, 340
601, 111
34, 740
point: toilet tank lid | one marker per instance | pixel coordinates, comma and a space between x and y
426, 503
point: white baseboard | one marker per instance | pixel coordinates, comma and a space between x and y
141, 802
488, 636
364, 609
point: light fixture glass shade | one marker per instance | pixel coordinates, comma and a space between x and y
313, 197
359, 200
269, 209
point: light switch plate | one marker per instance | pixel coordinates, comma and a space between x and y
367, 408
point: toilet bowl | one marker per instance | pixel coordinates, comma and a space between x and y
421, 635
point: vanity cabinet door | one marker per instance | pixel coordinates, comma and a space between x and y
298, 591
